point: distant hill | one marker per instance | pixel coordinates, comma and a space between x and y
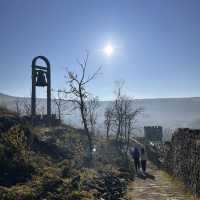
167, 112
171, 112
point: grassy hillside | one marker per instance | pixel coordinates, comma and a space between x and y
51, 163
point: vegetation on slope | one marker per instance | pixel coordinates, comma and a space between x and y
51, 163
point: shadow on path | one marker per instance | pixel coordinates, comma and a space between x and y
145, 176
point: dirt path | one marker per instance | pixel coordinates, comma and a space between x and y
157, 185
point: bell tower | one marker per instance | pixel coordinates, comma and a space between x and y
41, 77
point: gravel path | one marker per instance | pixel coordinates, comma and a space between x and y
157, 185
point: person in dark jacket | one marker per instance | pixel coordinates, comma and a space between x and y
136, 158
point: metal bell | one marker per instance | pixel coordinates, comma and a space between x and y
41, 79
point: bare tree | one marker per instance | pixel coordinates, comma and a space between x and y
108, 115
130, 122
79, 95
18, 110
118, 109
92, 105
123, 117
26, 107
60, 102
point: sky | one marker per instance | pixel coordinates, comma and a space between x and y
156, 44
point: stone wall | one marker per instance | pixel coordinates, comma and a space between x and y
182, 157
153, 133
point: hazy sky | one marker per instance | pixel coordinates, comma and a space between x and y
157, 44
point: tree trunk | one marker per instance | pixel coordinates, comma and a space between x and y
82, 108
59, 113
107, 132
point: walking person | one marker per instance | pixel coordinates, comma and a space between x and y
136, 158
143, 160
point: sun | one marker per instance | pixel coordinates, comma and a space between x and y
108, 49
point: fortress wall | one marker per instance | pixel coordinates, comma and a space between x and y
182, 157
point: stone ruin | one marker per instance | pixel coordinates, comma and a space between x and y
182, 157
153, 133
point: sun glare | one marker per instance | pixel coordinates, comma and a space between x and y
108, 50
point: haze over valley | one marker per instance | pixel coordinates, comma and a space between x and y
167, 112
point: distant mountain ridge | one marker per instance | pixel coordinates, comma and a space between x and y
167, 112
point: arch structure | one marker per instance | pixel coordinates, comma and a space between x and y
41, 77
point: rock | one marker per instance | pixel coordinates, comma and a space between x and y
108, 186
